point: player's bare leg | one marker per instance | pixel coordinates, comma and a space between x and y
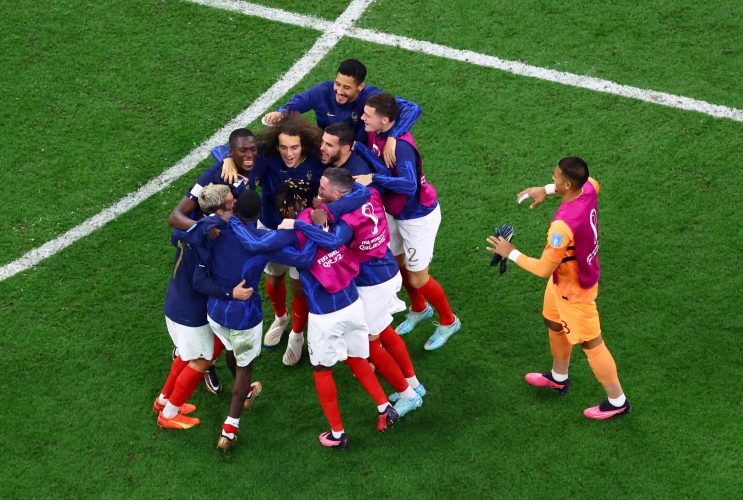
240, 397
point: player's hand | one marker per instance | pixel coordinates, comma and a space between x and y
286, 224
241, 293
272, 117
364, 179
389, 152
214, 233
319, 216
538, 194
229, 171
500, 246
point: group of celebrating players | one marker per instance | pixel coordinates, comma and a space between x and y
345, 209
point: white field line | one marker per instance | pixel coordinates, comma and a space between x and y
514, 67
334, 32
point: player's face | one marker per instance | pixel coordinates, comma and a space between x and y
560, 181
330, 149
326, 191
290, 150
372, 121
346, 89
229, 207
243, 153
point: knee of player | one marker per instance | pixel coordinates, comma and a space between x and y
418, 278
200, 365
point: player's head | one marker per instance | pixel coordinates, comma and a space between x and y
248, 205
380, 112
336, 143
294, 138
349, 81
334, 183
570, 174
217, 199
243, 149
291, 197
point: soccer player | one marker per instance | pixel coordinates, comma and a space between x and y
238, 323
414, 216
290, 152
336, 150
359, 222
243, 150
186, 319
570, 262
343, 100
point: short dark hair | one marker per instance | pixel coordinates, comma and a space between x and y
353, 68
240, 132
575, 170
340, 178
384, 105
343, 131
248, 205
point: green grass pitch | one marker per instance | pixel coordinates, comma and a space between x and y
98, 98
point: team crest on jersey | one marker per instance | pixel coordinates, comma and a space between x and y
309, 176
375, 150
556, 240
354, 116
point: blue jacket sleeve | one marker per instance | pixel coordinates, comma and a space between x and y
374, 161
329, 240
406, 180
304, 101
272, 240
291, 256
204, 283
408, 114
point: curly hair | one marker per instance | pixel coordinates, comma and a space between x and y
292, 197
293, 124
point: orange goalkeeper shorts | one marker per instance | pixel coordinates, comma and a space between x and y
580, 320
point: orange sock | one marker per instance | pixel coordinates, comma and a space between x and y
277, 296
560, 346
602, 364
434, 294
417, 300
299, 313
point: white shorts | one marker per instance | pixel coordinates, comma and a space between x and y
380, 303
244, 344
275, 269
335, 336
415, 238
192, 342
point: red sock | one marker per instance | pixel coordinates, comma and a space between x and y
395, 345
434, 294
386, 366
185, 384
175, 370
277, 296
328, 395
218, 347
417, 300
362, 371
299, 311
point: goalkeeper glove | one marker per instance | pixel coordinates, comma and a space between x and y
506, 232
